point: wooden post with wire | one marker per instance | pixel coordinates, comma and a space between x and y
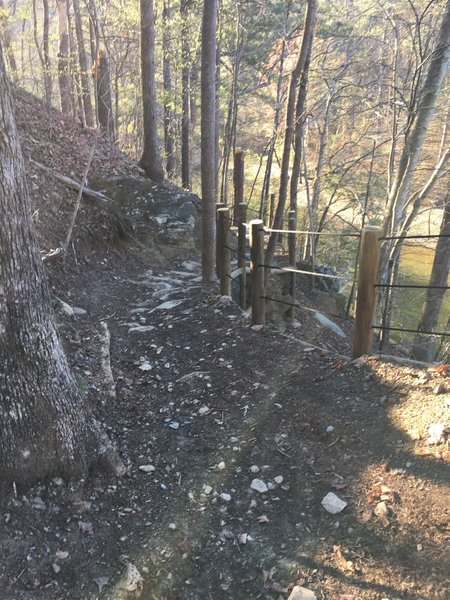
242, 263
218, 206
367, 292
238, 180
223, 249
292, 263
257, 271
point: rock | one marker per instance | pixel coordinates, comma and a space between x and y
254, 469
78, 312
221, 466
203, 410
329, 429
207, 489
333, 504
141, 328
278, 479
38, 503
225, 497
436, 433
147, 468
132, 580
257, 327
174, 425
259, 486
301, 593
56, 568
172, 526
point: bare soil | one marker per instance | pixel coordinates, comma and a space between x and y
207, 405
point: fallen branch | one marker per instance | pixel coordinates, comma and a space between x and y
399, 360
72, 183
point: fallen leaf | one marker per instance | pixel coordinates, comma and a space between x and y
341, 561
382, 512
132, 580
262, 519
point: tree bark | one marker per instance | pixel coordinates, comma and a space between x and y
185, 93
63, 58
169, 142
424, 344
208, 138
151, 157
84, 68
46, 428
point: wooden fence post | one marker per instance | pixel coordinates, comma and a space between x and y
218, 205
238, 180
292, 262
223, 249
242, 263
367, 292
257, 271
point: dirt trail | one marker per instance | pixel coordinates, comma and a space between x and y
206, 406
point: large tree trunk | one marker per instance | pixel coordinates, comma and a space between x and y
208, 138
185, 83
45, 426
151, 157
84, 68
63, 58
424, 344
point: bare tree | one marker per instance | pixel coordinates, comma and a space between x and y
290, 125
208, 138
424, 344
63, 58
84, 68
151, 157
46, 428
169, 142
185, 93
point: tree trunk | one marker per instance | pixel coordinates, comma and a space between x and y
151, 156
208, 138
169, 143
63, 58
300, 111
103, 92
415, 139
43, 52
45, 425
7, 39
185, 82
290, 125
84, 68
424, 344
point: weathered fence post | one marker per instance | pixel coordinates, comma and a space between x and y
257, 271
238, 180
223, 250
242, 263
218, 206
292, 262
367, 292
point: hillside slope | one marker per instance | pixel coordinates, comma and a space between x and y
231, 437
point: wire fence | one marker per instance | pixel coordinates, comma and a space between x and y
292, 269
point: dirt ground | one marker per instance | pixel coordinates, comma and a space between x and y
204, 410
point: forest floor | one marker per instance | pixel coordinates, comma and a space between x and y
232, 438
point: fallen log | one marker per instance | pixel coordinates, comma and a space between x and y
72, 183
